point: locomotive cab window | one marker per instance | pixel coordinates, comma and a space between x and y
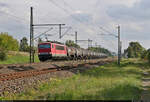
43, 46
52, 46
60, 47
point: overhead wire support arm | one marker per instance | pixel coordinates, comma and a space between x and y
60, 26
65, 32
32, 26
43, 33
109, 34
48, 24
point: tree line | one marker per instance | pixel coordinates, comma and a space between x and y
100, 50
8, 43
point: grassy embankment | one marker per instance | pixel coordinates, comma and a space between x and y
17, 58
107, 82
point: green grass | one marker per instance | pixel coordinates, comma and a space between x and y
107, 82
17, 59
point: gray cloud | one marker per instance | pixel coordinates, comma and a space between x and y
140, 11
3, 5
86, 18
105, 13
134, 21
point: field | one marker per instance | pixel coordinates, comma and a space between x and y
17, 58
107, 82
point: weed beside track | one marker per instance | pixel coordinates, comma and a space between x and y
107, 82
15, 82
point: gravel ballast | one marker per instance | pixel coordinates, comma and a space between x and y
19, 85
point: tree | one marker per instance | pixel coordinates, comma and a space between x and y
24, 44
100, 50
71, 43
8, 43
134, 50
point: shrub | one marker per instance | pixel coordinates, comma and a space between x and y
148, 56
144, 54
3, 55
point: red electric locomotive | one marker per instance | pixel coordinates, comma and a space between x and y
49, 50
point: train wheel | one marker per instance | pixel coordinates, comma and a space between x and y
42, 59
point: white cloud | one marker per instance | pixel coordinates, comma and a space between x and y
78, 12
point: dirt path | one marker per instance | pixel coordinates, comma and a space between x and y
145, 95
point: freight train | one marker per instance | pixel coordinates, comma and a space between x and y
53, 50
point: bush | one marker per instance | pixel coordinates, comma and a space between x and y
144, 54
148, 56
3, 55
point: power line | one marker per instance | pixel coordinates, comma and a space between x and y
43, 33
66, 31
17, 18
66, 4
92, 22
111, 44
109, 33
74, 17
69, 13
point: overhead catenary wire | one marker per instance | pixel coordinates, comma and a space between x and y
69, 13
111, 44
14, 16
19, 19
66, 4
109, 33
66, 31
100, 27
74, 17
44, 33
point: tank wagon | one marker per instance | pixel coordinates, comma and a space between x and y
50, 50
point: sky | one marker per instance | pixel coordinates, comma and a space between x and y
92, 19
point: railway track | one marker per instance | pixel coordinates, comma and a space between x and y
16, 75
30, 73
12, 76
17, 82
